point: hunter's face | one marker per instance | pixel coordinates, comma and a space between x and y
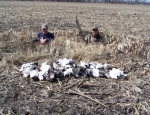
94, 33
45, 30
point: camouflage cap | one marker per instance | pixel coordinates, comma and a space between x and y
44, 26
95, 28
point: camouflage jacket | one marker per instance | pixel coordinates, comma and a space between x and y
90, 39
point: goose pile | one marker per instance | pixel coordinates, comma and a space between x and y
67, 67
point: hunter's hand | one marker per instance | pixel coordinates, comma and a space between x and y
42, 41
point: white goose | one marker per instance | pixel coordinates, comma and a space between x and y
64, 61
44, 70
50, 76
55, 66
26, 68
99, 66
67, 66
41, 75
95, 72
34, 73
106, 65
92, 64
116, 73
26, 72
68, 72
45, 67
83, 64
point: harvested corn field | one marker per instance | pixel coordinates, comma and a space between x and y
125, 29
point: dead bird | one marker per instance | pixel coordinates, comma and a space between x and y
116, 74
64, 61
26, 68
34, 73
68, 71
30, 65
82, 64
67, 67
95, 72
44, 71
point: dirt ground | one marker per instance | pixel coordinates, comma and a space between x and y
72, 96
122, 19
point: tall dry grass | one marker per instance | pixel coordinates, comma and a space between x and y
16, 47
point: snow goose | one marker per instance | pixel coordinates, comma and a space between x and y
26, 72
116, 73
55, 66
103, 73
64, 61
92, 64
67, 66
58, 73
68, 72
43, 75
44, 70
95, 72
83, 64
75, 72
99, 66
87, 73
34, 73
45, 67
107, 67
26, 68
30, 65
78, 71
50, 76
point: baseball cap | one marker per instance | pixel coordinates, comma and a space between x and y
44, 26
95, 28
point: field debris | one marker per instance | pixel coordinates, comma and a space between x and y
67, 67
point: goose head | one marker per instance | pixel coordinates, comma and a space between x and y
107, 66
